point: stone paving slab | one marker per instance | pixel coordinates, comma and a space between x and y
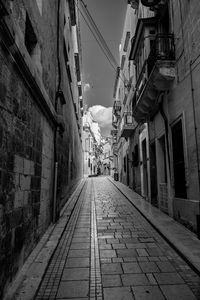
177, 292
72, 289
75, 274
109, 251
111, 280
147, 293
180, 237
148, 263
118, 293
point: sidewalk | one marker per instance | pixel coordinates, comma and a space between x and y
180, 238
29, 277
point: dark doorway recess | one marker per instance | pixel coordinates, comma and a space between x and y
153, 172
178, 161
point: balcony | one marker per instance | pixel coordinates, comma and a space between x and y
114, 140
156, 76
128, 125
115, 148
117, 108
86, 126
114, 132
114, 121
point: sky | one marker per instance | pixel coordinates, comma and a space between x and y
98, 74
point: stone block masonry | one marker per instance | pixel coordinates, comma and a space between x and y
21, 167
28, 120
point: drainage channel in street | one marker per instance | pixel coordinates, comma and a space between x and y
74, 269
95, 272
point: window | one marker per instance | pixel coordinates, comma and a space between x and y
152, 31
67, 62
32, 45
125, 164
135, 156
30, 37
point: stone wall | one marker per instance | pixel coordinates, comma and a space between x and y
26, 155
182, 102
28, 123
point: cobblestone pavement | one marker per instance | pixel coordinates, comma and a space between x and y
109, 251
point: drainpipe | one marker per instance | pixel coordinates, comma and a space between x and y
196, 142
166, 124
148, 161
56, 129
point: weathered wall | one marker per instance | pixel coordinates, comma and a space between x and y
182, 101
27, 132
69, 146
26, 156
184, 95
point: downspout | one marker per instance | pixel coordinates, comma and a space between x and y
197, 148
166, 124
148, 161
56, 129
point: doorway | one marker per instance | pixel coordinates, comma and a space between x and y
153, 173
178, 161
127, 173
162, 174
145, 175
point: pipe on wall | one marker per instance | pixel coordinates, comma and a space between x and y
166, 124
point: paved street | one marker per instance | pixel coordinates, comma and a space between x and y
109, 251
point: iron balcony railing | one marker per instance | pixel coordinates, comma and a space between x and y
127, 121
114, 139
117, 108
162, 49
113, 132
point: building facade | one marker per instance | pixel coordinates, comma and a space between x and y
91, 145
107, 157
40, 122
165, 143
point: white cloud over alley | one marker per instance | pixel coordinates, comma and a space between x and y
102, 115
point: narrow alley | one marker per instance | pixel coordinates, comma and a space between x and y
108, 250
99, 149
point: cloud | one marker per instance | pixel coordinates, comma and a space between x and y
102, 115
86, 87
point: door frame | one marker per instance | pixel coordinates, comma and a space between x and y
181, 117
